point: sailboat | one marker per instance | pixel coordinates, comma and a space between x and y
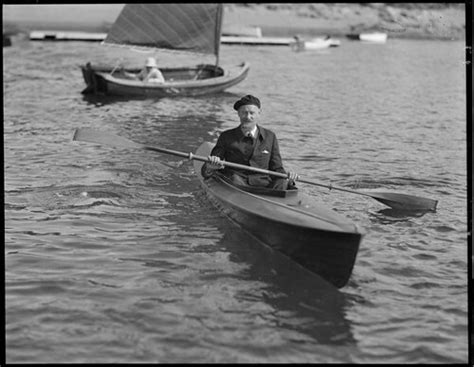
191, 28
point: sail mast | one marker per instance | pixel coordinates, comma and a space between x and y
219, 17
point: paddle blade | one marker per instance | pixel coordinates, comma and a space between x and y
404, 202
100, 137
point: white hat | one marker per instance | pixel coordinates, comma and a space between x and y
151, 62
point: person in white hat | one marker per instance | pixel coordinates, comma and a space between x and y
150, 72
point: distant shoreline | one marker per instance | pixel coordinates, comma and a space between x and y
272, 31
418, 21
286, 20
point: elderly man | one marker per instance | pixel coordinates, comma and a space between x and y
252, 145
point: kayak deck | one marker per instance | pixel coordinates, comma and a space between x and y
314, 236
293, 209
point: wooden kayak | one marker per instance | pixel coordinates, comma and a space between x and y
181, 81
290, 222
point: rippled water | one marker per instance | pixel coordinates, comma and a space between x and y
116, 256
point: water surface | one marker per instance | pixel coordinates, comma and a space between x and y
116, 256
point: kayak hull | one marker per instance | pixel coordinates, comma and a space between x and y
305, 231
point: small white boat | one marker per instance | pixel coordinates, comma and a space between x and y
314, 44
372, 37
54, 35
378, 37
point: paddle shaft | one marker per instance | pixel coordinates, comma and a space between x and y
248, 168
394, 200
105, 138
224, 163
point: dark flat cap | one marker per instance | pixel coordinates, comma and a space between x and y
248, 99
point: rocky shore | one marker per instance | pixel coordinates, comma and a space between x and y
445, 21
399, 20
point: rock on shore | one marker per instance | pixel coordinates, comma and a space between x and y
399, 20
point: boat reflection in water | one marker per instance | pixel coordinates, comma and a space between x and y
302, 302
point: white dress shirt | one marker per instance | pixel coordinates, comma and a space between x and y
253, 132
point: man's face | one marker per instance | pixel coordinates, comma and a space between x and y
249, 116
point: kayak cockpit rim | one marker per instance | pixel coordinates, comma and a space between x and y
342, 227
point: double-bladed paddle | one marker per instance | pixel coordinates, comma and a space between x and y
391, 199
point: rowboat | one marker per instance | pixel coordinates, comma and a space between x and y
289, 222
314, 44
370, 37
190, 29
377, 37
180, 81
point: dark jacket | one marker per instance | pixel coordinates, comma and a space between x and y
261, 152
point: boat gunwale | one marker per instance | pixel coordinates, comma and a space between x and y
239, 70
355, 229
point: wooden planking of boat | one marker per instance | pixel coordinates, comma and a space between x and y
165, 26
290, 222
180, 81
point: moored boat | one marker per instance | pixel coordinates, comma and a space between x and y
370, 37
194, 29
318, 43
376, 37
290, 222
180, 81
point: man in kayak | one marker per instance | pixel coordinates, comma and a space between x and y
252, 145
